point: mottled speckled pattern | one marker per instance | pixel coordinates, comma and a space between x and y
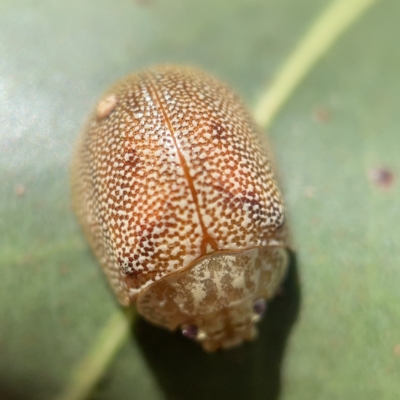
170, 169
217, 295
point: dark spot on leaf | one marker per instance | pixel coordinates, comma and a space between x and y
322, 115
64, 269
382, 177
19, 190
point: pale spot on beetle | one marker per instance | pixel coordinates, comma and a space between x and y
209, 249
381, 177
106, 106
396, 350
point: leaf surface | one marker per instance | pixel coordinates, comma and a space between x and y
336, 143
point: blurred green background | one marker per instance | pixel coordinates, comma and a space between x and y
337, 146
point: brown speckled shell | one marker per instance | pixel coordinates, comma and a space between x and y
168, 169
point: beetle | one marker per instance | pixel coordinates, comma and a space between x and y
176, 195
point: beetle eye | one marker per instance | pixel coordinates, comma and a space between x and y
259, 307
190, 331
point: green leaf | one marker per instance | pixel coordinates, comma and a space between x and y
335, 142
